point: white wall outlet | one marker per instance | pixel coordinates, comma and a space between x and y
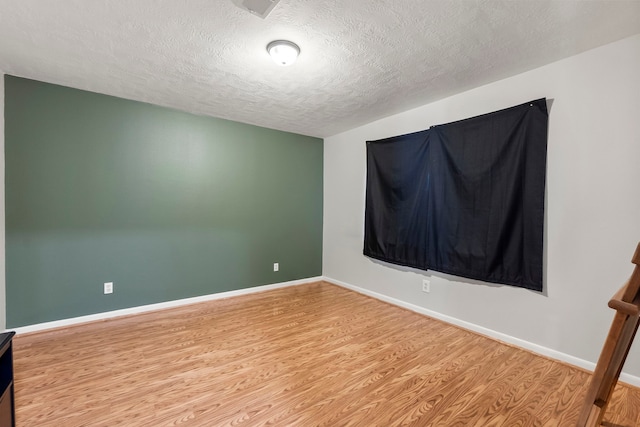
108, 288
426, 286
276, 266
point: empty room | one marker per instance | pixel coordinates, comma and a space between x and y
319, 213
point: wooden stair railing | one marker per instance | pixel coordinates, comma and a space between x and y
626, 302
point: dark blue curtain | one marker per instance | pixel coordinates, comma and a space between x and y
464, 198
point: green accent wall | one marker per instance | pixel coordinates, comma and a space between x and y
164, 204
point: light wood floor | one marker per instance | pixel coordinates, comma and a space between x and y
300, 356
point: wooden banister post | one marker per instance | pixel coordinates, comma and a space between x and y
623, 329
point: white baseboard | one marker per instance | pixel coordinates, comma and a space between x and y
159, 306
538, 349
535, 348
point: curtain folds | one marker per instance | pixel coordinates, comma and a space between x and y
464, 198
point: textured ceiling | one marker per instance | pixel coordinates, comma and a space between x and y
361, 59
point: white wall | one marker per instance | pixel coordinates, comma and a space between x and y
593, 205
3, 305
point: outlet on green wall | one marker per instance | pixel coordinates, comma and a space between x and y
164, 204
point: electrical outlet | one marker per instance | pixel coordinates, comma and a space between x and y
108, 288
276, 266
426, 286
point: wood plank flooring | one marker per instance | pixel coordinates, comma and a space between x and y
310, 355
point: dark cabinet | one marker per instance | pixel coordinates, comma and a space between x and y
7, 404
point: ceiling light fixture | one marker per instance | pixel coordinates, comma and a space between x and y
283, 52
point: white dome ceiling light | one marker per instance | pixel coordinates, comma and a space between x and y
283, 52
